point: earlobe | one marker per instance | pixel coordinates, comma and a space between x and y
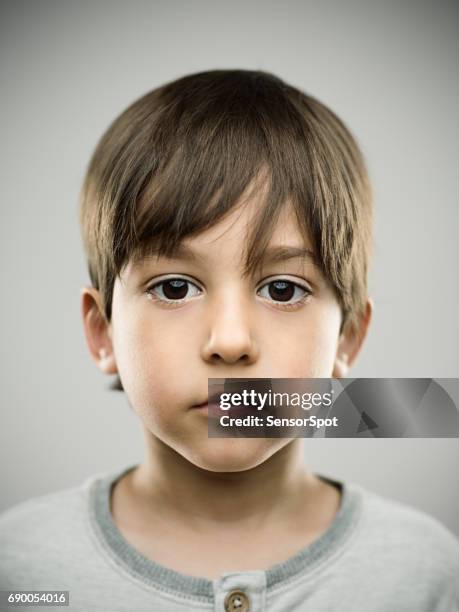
350, 343
107, 362
97, 331
341, 366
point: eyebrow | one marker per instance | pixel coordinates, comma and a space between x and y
273, 254
278, 254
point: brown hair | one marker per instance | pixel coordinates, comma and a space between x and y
179, 158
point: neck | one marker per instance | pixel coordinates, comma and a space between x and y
279, 487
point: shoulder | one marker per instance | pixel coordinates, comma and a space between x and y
403, 521
410, 539
40, 512
43, 528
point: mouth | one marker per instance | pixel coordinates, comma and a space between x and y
202, 405
211, 407
212, 400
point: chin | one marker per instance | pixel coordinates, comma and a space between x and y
231, 454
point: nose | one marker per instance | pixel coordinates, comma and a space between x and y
230, 333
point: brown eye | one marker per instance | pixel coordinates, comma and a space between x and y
284, 291
172, 289
281, 291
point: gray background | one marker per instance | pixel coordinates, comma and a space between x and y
389, 69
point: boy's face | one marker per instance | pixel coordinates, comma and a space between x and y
166, 340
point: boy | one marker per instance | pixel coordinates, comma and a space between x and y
226, 218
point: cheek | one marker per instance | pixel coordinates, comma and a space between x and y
152, 359
306, 347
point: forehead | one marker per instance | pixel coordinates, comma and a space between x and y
236, 228
228, 239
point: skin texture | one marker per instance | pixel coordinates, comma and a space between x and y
209, 494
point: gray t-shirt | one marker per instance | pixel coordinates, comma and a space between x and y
377, 556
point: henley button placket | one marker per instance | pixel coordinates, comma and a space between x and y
240, 592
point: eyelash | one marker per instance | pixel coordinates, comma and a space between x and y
285, 305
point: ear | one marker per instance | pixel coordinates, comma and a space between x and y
351, 341
97, 330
